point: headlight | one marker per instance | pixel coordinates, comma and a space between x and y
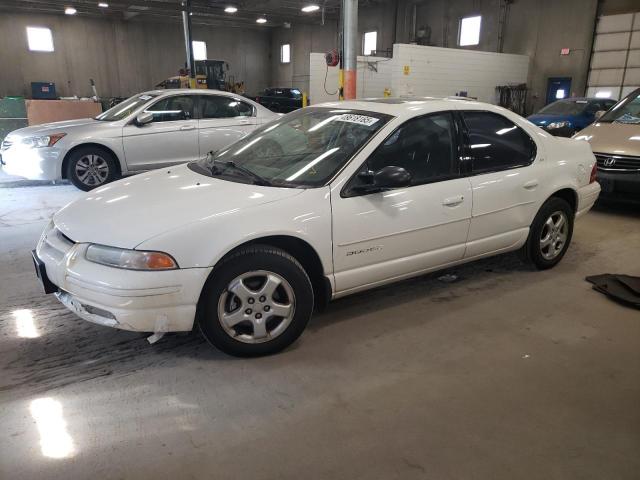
553, 125
43, 141
130, 259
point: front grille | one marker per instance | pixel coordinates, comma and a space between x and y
617, 163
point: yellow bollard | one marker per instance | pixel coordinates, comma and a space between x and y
305, 99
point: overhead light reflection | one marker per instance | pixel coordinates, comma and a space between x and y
313, 163
24, 324
55, 441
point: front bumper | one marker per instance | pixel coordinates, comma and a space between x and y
130, 300
33, 163
623, 186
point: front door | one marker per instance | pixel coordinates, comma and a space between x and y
505, 185
558, 88
223, 120
171, 138
396, 233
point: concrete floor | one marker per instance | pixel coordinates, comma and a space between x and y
506, 373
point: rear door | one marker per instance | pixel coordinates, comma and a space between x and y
505, 183
171, 138
223, 120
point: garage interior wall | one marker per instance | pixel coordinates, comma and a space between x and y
373, 73
431, 71
122, 57
615, 62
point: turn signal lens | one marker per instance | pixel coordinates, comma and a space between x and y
594, 172
159, 261
130, 259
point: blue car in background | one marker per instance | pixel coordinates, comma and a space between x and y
568, 116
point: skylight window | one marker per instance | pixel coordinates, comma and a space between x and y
470, 31
199, 50
39, 39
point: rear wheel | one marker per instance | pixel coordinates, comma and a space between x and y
256, 302
550, 234
91, 167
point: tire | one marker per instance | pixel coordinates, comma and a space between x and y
234, 290
91, 167
550, 234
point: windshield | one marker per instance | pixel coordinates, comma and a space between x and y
304, 148
126, 108
565, 107
625, 111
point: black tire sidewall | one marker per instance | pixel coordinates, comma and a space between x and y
251, 259
554, 204
81, 152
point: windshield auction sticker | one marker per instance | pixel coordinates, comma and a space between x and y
360, 119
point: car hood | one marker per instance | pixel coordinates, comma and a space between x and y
542, 120
53, 127
132, 210
613, 138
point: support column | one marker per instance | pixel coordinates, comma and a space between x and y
350, 46
186, 25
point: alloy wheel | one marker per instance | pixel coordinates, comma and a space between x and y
553, 237
256, 307
92, 170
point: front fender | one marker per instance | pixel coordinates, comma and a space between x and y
203, 243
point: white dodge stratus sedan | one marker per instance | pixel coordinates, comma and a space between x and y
324, 202
150, 130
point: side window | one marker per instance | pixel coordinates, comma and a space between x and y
423, 146
179, 107
497, 143
214, 106
244, 109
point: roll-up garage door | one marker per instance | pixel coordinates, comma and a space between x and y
615, 60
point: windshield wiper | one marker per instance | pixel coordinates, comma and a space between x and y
257, 179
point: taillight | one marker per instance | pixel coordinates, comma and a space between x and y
594, 171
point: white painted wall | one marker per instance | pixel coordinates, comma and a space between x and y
432, 71
441, 72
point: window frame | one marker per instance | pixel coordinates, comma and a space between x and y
200, 107
36, 27
467, 158
348, 191
282, 45
462, 19
364, 43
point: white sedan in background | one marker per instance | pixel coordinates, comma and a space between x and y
326, 201
150, 130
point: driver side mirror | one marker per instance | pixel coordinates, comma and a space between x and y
384, 179
599, 113
144, 118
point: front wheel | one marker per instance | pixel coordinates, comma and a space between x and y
256, 302
90, 167
550, 234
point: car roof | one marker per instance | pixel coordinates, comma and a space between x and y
199, 91
411, 106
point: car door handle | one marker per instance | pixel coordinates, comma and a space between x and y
243, 122
531, 185
187, 127
453, 201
